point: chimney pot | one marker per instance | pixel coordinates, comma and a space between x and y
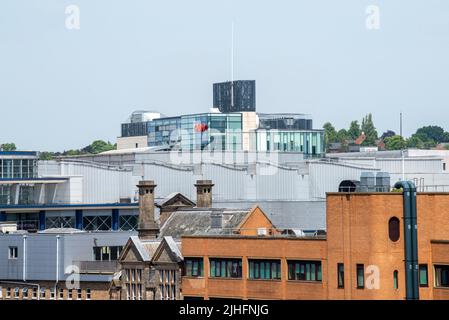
147, 227
204, 193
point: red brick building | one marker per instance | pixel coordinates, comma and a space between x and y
363, 255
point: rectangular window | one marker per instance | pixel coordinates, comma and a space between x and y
8, 292
423, 276
61, 293
25, 293
78, 294
360, 276
193, 267
139, 275
341, 275
441, 276
265, 269
12, 253
52, 293
42, 293
225, 268
16, 293
70, 294
304, 270
34, 292
88, 294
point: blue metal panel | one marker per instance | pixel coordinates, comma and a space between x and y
18, 153
115, 218
42, 220
79, 219
72, 206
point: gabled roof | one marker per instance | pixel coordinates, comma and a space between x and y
144, 248
197, 221
173, 197
173, 250
174, 247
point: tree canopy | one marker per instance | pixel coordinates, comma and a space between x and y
8, 147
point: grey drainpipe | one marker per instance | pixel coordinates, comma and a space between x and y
414, 238
411, 250
57, 266
24, 260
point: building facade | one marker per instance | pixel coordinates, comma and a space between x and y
39, 195
150, 264
233, 125
235, 96
365, 255
59, 264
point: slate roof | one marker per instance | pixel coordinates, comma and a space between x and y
197, 221
146, 248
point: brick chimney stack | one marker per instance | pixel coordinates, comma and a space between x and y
204, 193
148, 227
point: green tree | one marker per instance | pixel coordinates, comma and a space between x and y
330, 134
342, 136
395, 143
415, 142
99, 146
47, 155
387, 134
8, 147
354, 130
370, 131
435, 133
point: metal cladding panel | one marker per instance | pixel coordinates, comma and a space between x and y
101, 184
40, 261
282, 185
410, 165
229, 183
170, 180
326, 177
41, 254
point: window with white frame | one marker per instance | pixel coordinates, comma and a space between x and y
60, 222
34, 292
128, 291
162, 287
69, 294
25, 293
128, 223
134, 284
52, 293
16, 293
88, 294
97, 223
42, 293
61, 293
13, 253
8, 292
78, 294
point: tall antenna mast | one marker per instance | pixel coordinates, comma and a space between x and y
232, 66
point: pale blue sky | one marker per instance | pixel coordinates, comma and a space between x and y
61, 89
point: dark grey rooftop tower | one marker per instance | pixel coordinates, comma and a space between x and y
237, 96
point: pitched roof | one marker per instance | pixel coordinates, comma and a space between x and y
172, 196
197, 221
175, 247
145, 248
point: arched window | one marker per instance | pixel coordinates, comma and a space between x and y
395, 279
394, 229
